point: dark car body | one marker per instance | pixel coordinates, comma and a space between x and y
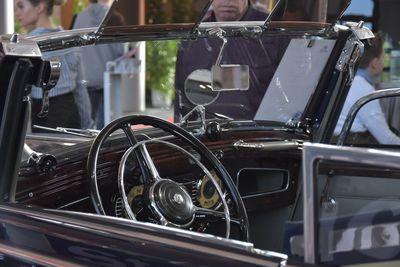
61, 198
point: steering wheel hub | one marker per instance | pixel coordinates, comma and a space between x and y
172, 201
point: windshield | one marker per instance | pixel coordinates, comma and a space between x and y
242, 70
168, 78
193, 11
283, 74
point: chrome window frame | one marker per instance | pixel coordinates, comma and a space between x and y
312, 154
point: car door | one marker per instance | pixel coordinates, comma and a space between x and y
351, 206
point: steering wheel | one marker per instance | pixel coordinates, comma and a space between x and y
168, 202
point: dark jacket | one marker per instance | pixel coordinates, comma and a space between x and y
261, 55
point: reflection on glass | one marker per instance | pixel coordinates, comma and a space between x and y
230, 77
198, 88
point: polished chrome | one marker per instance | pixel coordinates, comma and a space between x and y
87, 36
161, 217
310, 210
88, 133
65, 39
42, 162
51, 71
220, 33
35, 258
14, 45
121, 183
354, 48
362, 33
347, 53
178, 198
14, 38
358, 105
54, 70
201, 111
150, 163
94, 186
269, 146
32, 155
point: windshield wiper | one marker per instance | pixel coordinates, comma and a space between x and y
88, 133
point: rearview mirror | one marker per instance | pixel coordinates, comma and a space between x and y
230, 77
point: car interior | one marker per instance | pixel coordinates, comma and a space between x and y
231, 171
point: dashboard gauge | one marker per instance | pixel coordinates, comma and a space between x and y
134, 200
134, 196
208, 196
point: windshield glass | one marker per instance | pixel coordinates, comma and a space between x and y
236, 68
270, 78
193, 11
283, 74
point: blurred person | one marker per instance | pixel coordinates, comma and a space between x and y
295, 11
260, 5
370, 124
231, 10
34, 15
261, 55
96, 57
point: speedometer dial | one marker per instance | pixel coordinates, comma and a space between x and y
208, 196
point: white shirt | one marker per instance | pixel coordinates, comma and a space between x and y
370, 117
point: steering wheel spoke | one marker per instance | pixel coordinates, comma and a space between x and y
145, 161
155, 176
127, 128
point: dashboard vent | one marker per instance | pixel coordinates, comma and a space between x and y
119, 207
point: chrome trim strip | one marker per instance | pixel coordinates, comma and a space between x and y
31, 257
137, 33
269, 145
310, 212
73, 203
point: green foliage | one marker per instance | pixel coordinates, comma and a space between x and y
79, 5
17, 27
161, 56
160, 66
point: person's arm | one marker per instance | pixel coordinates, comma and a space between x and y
374, 120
